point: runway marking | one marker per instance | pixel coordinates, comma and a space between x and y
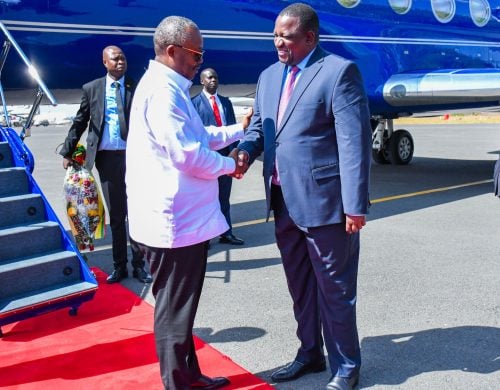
431, 191
380, 200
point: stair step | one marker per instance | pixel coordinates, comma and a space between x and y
35, 273
29, 240
5, 155
44, 296
13, 181
21, 210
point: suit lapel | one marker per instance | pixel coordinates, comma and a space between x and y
129, 88
308, 74
208, 109
101, 100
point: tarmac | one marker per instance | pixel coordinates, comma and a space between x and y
429, 277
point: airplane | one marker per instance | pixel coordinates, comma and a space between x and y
414, 56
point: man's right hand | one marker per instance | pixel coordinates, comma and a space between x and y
241, 159
67, 162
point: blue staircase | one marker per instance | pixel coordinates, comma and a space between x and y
40, 268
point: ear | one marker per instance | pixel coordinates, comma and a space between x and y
170, 50
310, 38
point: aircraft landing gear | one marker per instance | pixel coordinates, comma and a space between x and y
389, 146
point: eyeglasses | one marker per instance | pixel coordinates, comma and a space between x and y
197, 55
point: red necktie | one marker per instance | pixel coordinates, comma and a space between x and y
215, 107
286, 94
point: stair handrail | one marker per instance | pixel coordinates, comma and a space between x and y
42, 88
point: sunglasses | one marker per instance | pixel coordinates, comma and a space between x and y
197, 55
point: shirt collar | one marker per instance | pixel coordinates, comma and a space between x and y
110, 81
302, 64
171, 74
208, 95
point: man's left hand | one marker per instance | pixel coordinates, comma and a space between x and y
354, 223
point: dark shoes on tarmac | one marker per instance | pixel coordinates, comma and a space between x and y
297, 369
120, 273
340, 383
230, 238
206, 383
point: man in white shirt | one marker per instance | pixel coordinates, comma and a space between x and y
172, 189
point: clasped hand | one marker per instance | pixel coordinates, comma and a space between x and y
241, 159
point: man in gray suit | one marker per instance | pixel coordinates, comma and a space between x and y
312, 120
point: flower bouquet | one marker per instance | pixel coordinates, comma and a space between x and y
83, 202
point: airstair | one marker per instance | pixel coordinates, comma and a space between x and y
40, 268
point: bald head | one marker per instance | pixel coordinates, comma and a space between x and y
114, 61
210, 80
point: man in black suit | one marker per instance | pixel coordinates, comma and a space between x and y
217, 110
106, 117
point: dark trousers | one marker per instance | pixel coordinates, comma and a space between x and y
225, 184
111, 168
321, 268
178, 276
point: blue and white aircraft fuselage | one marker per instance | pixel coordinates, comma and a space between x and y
415, 56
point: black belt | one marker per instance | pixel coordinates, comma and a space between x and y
122, 151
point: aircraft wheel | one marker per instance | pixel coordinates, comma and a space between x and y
380, 156
401, 147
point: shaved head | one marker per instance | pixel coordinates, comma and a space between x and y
114, 61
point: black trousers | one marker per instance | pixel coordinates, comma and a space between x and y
111, 168
225, 184
178, 276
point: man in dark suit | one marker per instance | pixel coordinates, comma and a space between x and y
217, 110
312, 120
106, 116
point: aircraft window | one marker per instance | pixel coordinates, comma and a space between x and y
348, 3
400, 6
480, 12
444, 10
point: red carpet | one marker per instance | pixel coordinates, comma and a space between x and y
108, 345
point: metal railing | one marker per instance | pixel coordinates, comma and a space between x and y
42, 88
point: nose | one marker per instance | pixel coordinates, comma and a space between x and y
278, 41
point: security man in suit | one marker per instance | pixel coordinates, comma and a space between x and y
104, 109
312, 120
217, 110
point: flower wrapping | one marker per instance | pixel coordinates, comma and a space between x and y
83, 202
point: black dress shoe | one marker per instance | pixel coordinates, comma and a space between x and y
296, 369
117, 275
141, 274
339, 383
205, 382
230, 238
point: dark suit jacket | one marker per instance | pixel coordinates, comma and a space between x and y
204, 108
91, 115
323, 144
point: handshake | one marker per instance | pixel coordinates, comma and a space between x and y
241, 159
